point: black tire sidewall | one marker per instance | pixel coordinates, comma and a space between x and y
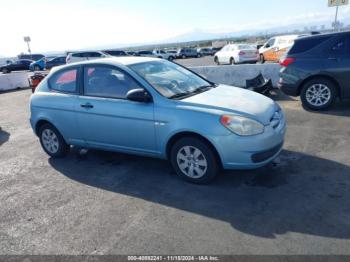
63, 148
37, 68
216, 60
325, 82
213, 166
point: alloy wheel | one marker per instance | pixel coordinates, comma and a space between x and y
192, 162
50, 141
318, 95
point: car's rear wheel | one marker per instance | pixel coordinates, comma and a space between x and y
183, 56
194, 160
52, 141
318, 94
216, 60
232, 61
262, 59
171, 58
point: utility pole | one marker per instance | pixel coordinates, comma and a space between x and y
27, 40
336, 19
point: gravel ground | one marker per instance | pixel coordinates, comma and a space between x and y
110, 203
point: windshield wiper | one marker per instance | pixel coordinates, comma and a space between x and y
202, 89
194, 92
179, 95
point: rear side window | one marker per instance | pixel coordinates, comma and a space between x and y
64, 81
339, 48
304, 45
94, 54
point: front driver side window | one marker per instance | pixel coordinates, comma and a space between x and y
270, 43
102, 81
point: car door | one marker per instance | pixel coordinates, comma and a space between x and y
223, 58
269, 51
107, 119
338, 63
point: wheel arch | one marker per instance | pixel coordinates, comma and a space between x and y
335, 82
183, 134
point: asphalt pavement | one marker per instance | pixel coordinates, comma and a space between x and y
111, 203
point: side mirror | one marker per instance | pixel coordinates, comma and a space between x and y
139, 95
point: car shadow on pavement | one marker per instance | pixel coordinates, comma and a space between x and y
4, 136
340, 108
301, 193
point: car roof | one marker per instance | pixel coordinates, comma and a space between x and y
323, 35
117, 61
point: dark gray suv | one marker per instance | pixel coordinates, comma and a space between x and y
187, 52
317, 68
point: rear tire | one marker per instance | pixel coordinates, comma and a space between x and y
318, 94
232, 61
52, 141
216, 60
262, 59
194, 160
183, 57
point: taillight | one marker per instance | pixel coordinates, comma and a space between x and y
241, 53
287, 61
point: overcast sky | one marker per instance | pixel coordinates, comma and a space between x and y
73, 24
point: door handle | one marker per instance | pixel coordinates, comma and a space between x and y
87, 105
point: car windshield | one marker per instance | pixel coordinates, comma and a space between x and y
171, 80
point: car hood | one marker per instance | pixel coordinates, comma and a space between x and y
234, 100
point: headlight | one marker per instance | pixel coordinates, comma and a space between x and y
242, 126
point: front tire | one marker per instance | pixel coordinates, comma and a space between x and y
52, 141
194, 160
36, 68
318, 94
5, 71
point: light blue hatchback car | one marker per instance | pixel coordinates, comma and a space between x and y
153, 107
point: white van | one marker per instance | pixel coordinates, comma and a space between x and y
276, 47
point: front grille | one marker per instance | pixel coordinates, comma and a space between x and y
265, 155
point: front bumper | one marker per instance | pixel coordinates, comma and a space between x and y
237, 152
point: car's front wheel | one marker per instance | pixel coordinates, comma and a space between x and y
36, 68
318, 94
52, 141
5, 71
194, 160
